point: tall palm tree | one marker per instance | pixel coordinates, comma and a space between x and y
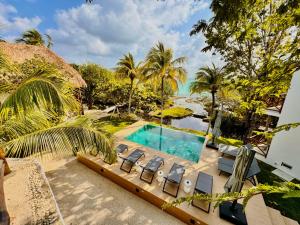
31, 120
126, 68
161, 67
33, 37
208, 79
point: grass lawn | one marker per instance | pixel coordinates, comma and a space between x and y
112, 125
289, 207
174, 112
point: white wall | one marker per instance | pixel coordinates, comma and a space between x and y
285, 146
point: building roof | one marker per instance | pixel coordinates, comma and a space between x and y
20, 52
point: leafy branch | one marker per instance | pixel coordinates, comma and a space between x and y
288, 189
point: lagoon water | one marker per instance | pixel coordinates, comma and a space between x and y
190, 122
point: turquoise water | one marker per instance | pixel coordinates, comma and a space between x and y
181, 144
184, 89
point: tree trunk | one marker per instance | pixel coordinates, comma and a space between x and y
90, 102
162, 101
2, 156
130, 96
80, 100
213, 102
248, 126
212, 111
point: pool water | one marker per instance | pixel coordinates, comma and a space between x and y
173, 142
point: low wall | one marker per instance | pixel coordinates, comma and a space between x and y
4, 217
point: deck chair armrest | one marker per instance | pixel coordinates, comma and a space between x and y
122, 157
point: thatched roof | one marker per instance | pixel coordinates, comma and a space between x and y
20, 52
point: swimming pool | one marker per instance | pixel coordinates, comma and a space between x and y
173, 142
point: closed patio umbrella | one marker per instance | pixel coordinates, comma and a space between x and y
216, 131
233, 212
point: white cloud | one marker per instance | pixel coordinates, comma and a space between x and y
11, 24
105, 30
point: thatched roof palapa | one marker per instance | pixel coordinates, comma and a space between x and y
20, 52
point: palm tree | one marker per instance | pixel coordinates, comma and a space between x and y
162, 68
33, 37
126, 68
49, 41
31, 120
208, 79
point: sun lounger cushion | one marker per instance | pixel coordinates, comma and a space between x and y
176, 173
135, 155
122, 148
228, 149
131, 159
226, 165
151, 168
204, 183
154, 163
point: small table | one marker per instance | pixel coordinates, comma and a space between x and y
187, 186
138, 166
160, 176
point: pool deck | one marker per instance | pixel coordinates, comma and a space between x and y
256, 210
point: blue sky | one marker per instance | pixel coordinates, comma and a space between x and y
105, 30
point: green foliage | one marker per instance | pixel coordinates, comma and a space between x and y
283, 188
174, 112
98, 80
288, 206
229, 141
32, 114
105, 88
285, 127
258, 41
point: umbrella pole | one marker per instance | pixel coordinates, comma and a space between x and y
233, 205
233, 211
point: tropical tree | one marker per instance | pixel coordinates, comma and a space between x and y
97, 80
208, 79
33, 37
259, 44
127, 68
163, 69
32, 119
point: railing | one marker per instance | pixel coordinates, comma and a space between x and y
276, 103
260, 144
4, 217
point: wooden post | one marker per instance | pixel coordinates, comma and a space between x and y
4, 217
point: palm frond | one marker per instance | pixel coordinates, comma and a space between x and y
34, 93
60, 139
31, 37
161, 65
6, 65
199, 86
15, 127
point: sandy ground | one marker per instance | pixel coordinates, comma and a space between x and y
85, 197
28, 198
